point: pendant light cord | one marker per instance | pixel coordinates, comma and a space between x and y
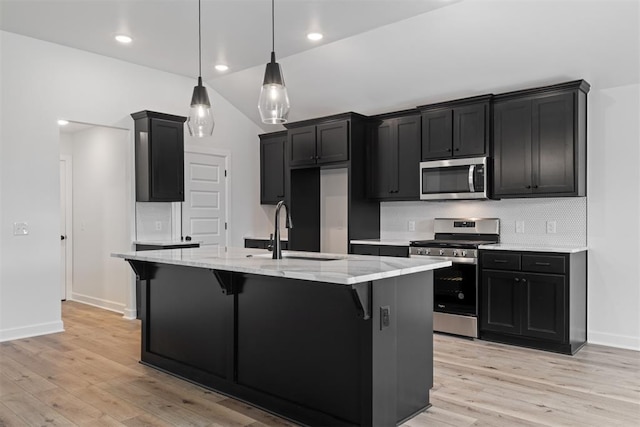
273, 28
199, 41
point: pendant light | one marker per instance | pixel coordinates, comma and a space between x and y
200, 121
274, 100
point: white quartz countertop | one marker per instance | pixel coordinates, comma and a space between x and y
381, 242
533, 248
345, 270
166, 242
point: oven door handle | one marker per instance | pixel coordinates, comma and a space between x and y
472, 169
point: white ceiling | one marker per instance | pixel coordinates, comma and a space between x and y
377, 55
234, 32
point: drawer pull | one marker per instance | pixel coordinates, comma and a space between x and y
500, 261
544, 264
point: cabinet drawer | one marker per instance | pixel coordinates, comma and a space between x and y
501, 261
544, 263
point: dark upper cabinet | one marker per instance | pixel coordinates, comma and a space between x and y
534, 299
159, 153
395, 158
272, 167
539, 141
456, 129
319, 143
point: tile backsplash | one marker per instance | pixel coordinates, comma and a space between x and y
151, 216
537, 215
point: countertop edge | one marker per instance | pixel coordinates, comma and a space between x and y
534, 248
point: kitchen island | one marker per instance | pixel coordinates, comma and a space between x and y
320, 339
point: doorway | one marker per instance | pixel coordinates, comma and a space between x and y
95, 209
204, 211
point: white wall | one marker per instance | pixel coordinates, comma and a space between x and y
41, 82
102, 198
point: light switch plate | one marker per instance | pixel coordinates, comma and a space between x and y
20, 228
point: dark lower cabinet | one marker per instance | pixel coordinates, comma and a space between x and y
534, 299
380, 250
262, 243
540, 141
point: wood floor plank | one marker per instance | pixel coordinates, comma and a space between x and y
69, 406
117, 408
8, 418
33, 411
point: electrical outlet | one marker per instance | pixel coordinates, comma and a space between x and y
411, 225
158, 225
519, 226
20, 228
551, 227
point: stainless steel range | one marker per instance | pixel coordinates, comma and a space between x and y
455, 289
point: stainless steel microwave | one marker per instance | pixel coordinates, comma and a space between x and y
455, 179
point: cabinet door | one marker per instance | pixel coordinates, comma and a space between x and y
436, 134
272, 169
512, 148
382, 166
397, 251
500, 310
469, 130
167, 161
302, 146
332, 142
408, 158
553, 162
544, 311
365, 250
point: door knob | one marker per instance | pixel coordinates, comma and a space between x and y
62, 237
188, 238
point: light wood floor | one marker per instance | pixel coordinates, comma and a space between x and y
90, 376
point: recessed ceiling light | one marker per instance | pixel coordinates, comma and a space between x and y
314, 36
63, 122
123, 39
221, 67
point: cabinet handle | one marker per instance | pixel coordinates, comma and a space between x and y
524, 280
516, 279
545, 264
457, 149
448, 150
528, 187
312, 158
500, 261
535, 186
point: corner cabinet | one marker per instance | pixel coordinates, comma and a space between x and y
534, 299
272, 167
394, 158
539, 141
456, 129
159, 153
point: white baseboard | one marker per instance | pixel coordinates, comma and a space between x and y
31, 331
130, 314
99, 302
613, 340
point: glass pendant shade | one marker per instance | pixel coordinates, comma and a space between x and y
274, 101
200, 121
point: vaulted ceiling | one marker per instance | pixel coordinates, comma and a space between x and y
376, 55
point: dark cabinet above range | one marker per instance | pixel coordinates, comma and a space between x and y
540, 141
456, 128
159, 154
394, 157
272, 167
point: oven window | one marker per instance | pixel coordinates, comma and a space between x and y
454, 289
450, 179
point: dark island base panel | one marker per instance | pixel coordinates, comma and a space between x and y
312, 352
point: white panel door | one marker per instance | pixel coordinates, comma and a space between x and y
63, 230
204, 212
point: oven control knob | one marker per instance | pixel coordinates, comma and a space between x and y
464, 253
455, 253
427, 251
441, 251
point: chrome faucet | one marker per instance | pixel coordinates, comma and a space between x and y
277, 245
